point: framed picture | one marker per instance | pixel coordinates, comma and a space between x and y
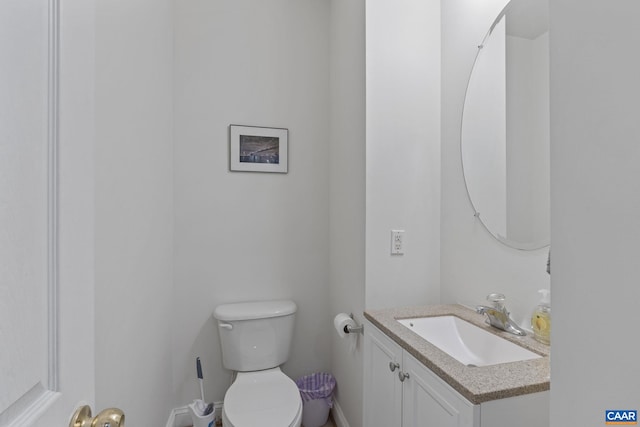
258, 149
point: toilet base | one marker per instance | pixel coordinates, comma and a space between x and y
226, 423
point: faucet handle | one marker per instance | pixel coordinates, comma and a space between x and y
497, 300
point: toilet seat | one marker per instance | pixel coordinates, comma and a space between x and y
264, 398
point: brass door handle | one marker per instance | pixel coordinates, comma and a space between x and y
111, 417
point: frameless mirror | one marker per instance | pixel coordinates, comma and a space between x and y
505, 127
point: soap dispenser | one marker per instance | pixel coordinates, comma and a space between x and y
541, 318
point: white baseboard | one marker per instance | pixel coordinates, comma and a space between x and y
180, 417
176, 415
338, 415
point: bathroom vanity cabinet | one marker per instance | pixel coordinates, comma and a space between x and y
400, 391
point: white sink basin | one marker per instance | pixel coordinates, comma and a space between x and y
466, 342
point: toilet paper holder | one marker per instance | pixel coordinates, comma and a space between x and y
351, 330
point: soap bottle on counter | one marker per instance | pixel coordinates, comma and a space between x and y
541, 318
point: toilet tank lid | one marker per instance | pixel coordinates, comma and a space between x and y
254, 310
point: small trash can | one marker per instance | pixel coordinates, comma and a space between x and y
316, 390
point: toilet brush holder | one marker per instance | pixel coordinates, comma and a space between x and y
197, 409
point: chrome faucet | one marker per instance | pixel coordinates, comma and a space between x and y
498, 316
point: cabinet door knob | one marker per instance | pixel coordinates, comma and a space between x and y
403, 376
393, 366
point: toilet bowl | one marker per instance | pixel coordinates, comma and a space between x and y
264, 398
255, 339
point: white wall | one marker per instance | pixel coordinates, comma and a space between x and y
347, 195
528, 156
249, 236
594, 206
473, 263
133, 221
403, 151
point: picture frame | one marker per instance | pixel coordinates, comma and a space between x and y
258, 149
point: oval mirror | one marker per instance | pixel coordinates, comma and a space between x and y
505, 127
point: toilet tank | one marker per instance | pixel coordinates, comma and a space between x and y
255, 335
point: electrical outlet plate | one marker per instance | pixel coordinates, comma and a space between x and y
397, 242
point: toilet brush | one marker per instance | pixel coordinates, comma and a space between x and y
208, 408
199, 372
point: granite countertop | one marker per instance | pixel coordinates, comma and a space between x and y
476, 384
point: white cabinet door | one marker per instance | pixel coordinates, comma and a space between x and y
46, 210
382, 388
429, 402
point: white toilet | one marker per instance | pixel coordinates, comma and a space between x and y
255, 338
